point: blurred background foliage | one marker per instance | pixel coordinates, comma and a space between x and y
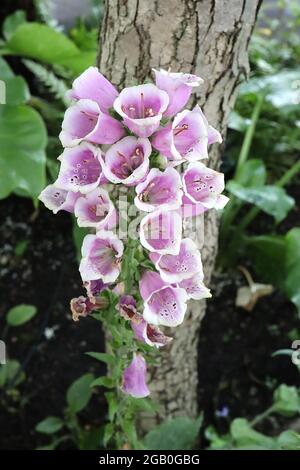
44, 45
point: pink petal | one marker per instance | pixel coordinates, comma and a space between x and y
91, 84
134, 378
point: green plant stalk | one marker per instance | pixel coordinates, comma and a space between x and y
234, 204
244, 153
262, 416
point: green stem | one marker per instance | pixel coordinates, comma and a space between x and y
234, 204
262, 416
127, 271
244, 153
289, 175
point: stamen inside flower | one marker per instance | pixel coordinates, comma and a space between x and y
179, 129
129, 163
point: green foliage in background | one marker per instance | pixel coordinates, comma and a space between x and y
262, 160
29, 122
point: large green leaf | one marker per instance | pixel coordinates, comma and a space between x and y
79, 393
270, 199
77, 64
17, 91
23, 140
277, 260
42, 43
175, 434
268, 254
252, 173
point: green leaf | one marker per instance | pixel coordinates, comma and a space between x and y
292, 267
23, 140
245, 436
289, 440
103, 382
268, 255
9, 371
17, 91
252, 173
77, 64
103, 357
5, 70
44, 44
11, 23
286, 400
20, 314
79, 393
50, 425
270, 199
176, 434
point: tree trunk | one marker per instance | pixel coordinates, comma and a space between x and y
209, 38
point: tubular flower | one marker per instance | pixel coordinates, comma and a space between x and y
160, 190
141, 108
127, 161
187, 138
127, 307
94, 289
195, 288
57, 199
203, 186
80, 169
101, 257
95, 209
176, 268
134, 378
163, 303
91, 84
85, 121
82, 306
149, 334
161, 231
179, 87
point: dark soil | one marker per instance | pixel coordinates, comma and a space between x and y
236, 369
237, 372
46, 275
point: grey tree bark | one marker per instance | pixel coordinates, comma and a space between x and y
209, 38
